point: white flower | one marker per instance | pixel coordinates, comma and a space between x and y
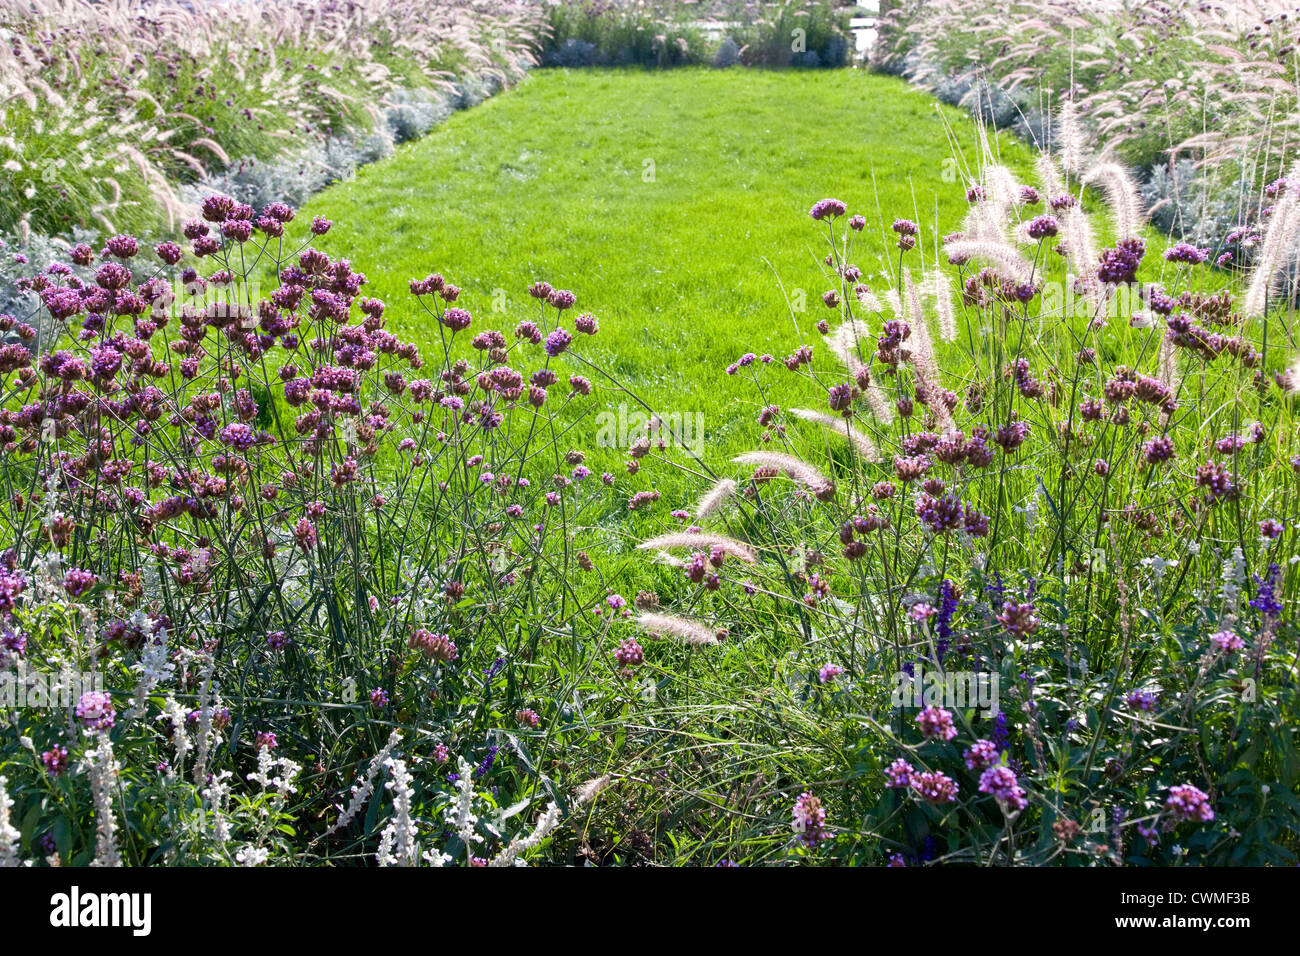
9, 834
252, 856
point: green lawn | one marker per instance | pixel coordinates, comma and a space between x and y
549, 181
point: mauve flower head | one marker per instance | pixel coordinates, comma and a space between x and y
829, 672
121, 247
1186, 252
320, 225
438, 647
77, 582
217, 208
840, 397
898, 775
1227, 642
905, 227
1141, 700
809, 821
629, 654
935, 787
936, 724
1159, 450
827, 209
457, 319
1000, 782
981, 754
96, 711
305, 534
1043, 227
1188, 803
857, 223
557, 342
55, 761
278, 211
561, 299
1118, 266
168, 252
1019, 619
586, 324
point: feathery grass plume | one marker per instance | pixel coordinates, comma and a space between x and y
847, 343
881, 407
590, 789
1168, 365
923, 360
1291, 378
1002, 186
843, 427
941, 289
1122, 196
867, 299
1079, 240
1049, 175
795, 468
701, 541
985, 221
895, 302
1070, 137
714, 498
1000, 253
1279, 240
682, 629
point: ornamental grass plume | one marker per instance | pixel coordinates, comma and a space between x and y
794, 468
677, 628
1121, 195
1070, 138
1279, 242
701, 541
940, 289
1001, 254
859, 439
714, 498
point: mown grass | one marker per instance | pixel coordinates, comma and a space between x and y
684, 271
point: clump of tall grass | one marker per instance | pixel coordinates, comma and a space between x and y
102, 125
1199, 97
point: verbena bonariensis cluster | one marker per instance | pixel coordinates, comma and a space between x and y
257, 547
1024, 566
